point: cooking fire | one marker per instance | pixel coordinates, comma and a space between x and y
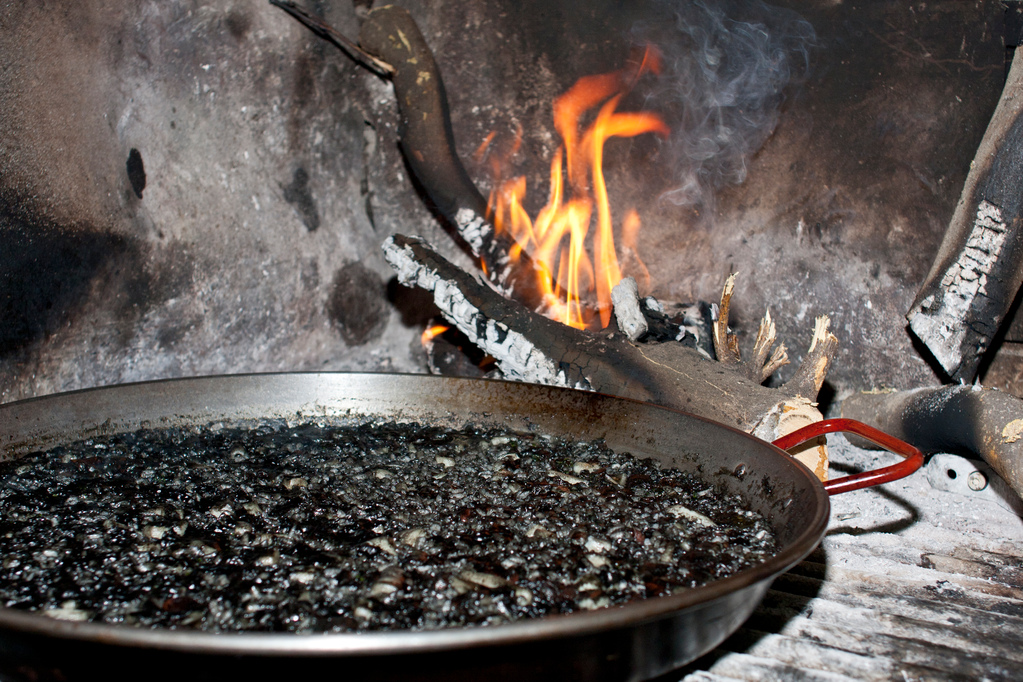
567, 274
746, 224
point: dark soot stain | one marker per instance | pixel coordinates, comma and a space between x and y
238, 25
357, 304
298, 195
136, 172
415, 305
45, 274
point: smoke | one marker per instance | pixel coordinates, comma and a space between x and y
727, 68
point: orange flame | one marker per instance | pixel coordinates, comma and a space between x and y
432, 332
565, 274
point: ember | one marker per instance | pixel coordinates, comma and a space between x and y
432, 332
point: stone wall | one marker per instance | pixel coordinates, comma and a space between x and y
198, 188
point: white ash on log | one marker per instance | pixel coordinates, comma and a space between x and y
979, 266
530, 347
628, 314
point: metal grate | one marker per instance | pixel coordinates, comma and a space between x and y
911, 583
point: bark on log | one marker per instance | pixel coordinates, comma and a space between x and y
530, 347
965, 420
427, 141
979, 266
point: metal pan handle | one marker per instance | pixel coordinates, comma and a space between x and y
914, 459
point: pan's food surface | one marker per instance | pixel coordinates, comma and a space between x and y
368, 527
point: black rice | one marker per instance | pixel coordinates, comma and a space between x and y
371, 527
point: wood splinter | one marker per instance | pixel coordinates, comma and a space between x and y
726, 344
763, 363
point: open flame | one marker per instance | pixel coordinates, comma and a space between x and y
557, 240
432, 332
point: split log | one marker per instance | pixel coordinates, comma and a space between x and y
979, 266
530, 347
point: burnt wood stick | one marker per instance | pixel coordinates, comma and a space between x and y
809, 376
979, 266
963, 420
329, 33
529, 347
427, 141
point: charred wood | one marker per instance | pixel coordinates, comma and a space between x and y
979, 266
964, 420
530, 347
428, 144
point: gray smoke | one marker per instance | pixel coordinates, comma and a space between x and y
727, 69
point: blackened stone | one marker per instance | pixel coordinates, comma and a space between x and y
46, 273
298, 195
136, 172
358, 304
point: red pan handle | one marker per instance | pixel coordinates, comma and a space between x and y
914, 459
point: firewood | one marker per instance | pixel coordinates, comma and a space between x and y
979, 266
530, 347
427, 143
764, 362
810, 374
966, 420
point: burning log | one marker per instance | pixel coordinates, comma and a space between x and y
530, 347
427, 142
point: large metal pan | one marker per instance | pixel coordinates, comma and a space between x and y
632, 642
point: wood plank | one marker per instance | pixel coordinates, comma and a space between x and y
1007, 644
759, 669
912, 654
